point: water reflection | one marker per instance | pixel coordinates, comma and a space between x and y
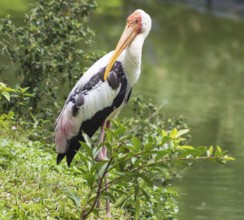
192, 65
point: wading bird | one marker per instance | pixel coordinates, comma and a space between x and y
102, 91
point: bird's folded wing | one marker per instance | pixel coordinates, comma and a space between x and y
87, 108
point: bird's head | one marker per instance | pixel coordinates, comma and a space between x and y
138, 23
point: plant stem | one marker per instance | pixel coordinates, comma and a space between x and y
85, 213
155, 163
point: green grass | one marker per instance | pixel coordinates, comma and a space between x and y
32, 186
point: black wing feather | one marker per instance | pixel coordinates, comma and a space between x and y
90, 126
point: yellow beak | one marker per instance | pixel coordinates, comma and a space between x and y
126, 38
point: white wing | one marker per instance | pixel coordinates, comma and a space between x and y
94, 99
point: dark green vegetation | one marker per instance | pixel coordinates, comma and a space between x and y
44, 52
147, 152
145, 156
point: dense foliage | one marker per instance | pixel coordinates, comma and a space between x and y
141, 166
48, 50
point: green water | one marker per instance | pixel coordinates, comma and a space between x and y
193, 66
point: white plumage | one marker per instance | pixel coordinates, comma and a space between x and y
102, 93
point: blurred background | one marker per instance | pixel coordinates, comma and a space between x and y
193, 66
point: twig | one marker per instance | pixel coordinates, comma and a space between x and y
136, 155
84, 213
156, 163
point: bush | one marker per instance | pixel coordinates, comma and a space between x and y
140, 169
48, 49
141, 165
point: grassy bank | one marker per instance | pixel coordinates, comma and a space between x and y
32, 186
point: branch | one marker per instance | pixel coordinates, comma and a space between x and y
175, 159
157, 163
136, 155
84, 214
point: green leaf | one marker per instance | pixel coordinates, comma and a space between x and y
145, 193
108, 195
88, 150
23, 90
120, 131
199, 151
122, 199
120, 192
210, 151
136, 143
75, 198
90, 178
6, 95
133, 160
146, 179
173, 133
218, 152
161, 154
226, 157
101, 167
148, 146
150, 139
164, 133
165, 139
185, 147
87, 139
10, 114
95, 212
181, 132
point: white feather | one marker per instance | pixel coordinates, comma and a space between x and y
68, 126
102, 96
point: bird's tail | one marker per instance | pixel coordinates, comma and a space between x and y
74, 146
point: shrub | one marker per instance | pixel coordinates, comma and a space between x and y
48, 49
141, 165
140, 169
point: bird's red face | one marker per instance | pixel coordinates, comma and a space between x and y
132, 29
134, 22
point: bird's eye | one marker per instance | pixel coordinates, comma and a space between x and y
136, 21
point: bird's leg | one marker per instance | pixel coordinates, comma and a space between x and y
99, 157
108, 213
103, 151
102, 155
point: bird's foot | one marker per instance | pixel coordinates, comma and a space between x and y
108, 213
102, 155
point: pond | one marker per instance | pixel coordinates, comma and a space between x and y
192, 66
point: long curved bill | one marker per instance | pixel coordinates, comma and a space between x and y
127, 36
